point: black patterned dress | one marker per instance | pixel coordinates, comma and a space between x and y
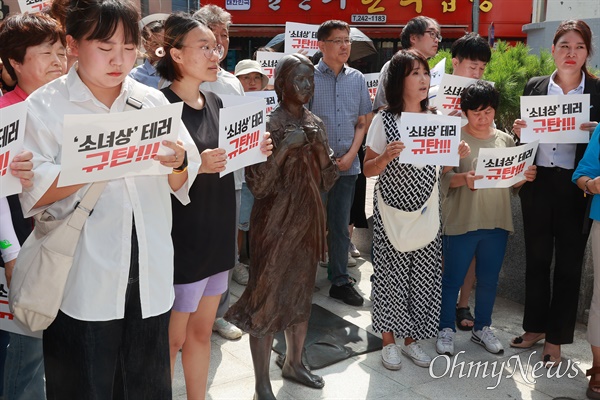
407, 286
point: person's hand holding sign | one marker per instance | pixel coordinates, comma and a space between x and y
213, 161
177, 160
470, 179
266, 146
21, 167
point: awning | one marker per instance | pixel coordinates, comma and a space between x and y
390, 32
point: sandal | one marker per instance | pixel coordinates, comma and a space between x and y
550, 361
521, 343
594, 383
463, 313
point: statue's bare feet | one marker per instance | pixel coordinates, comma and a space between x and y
302, 375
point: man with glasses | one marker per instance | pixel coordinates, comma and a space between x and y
218, 21
420, 33
342, 101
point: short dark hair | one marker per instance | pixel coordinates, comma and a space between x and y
99, 20
401, 65
21, 31
472, 47
326, 27
263, 48
416, 26
479, 95
177, 26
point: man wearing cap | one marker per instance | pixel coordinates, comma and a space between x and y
218, 21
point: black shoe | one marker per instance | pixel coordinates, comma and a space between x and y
347, 294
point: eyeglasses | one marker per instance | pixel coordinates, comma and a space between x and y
208, 52
434, 35
339, 42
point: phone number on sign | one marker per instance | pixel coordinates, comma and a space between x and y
369, 18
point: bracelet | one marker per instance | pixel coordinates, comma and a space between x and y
586, 190
183, 165
179, 171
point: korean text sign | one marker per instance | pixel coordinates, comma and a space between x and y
555, 119
372, 83
268, 61
430, 139
448, 95
33, 6
503, 167
12, 130
110, 146
269, 96
241, 130
301, 37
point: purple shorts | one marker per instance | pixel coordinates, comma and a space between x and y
188, 295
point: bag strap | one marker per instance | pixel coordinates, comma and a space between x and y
136, 98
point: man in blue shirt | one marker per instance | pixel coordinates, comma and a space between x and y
342, 101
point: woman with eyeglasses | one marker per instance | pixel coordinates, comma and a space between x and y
204, 231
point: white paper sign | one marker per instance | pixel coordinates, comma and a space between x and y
12, 134
503, 167
555, 119
241, 130
437, 73
110, 146
8, 322
269, 96
33, 6
301, 37
448, 95
268, 61
430, 139
372, 83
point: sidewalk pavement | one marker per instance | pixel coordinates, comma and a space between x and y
504, 376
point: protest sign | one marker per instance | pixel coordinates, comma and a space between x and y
301, 37
555, 119
505, 166
437, 73
372, 83
430, 139
7, 319
99, 147
241, 130
269, 96
268, 61
12, 134
33, 6
450, 89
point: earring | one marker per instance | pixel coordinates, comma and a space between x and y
160, 52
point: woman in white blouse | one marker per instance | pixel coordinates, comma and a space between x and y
110, 337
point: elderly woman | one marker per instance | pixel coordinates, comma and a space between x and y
286, 245
476, 223
32, 47
553, 209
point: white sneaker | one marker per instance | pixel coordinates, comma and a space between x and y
445, 342
325, 263
416, 353
240, 273
353, 250
351, 260
487, 339
390, 357
226, 329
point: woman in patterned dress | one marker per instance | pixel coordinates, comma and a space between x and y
406, 284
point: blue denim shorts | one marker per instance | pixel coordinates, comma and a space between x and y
247, 201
